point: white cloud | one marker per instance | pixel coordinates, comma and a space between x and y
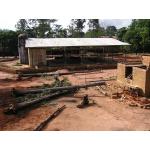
8, 23
116, 22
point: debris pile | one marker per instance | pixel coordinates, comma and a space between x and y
132, 97
112, 90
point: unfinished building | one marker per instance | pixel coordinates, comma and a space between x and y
60, 51
136, 75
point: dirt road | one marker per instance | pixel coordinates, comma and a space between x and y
106, 114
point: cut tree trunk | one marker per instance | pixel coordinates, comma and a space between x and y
19, 106
47, 120
52, 73
70, 88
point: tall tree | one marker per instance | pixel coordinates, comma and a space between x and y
45, 27
138, 35
79, 26
121, 33
22, 25
95, 30
8, 43
59, 32
36, 27
76, 28
111, 31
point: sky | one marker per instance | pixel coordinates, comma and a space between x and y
10, 23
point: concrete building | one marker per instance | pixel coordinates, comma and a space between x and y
136, 75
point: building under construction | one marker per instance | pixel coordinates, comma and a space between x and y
61, 51
136, 75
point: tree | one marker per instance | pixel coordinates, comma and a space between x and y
59, 32
26, 26
22, 25
8, 43
76, 27
111, 31
45, 28
79, 26
95, 30
121, 33
36, 27
138, 35
71, 30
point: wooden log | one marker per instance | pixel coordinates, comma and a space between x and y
70, 88
45, 74
104, 79
47, 120
19, 106
52, 73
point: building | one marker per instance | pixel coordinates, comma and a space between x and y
33, 51
136, 75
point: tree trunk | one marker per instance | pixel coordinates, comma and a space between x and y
52, 73
70, 88
45, 122
15, 108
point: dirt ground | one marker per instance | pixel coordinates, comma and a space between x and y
106, 114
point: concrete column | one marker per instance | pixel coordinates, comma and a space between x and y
23, 53
37, 57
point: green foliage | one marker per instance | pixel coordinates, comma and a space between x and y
95, 30
8, 43
56, 83
22, 25
121, 32
59, 32
75, 29
137, 34
36, 27
111, 31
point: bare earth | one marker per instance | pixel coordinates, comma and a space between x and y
106, 114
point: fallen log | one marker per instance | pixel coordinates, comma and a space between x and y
70, 88
14, 108
46, 121
51, 73
106, 79
42, 74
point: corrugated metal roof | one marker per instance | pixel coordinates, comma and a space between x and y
66, 42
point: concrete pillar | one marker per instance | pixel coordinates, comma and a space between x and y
37, 57
23, 53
